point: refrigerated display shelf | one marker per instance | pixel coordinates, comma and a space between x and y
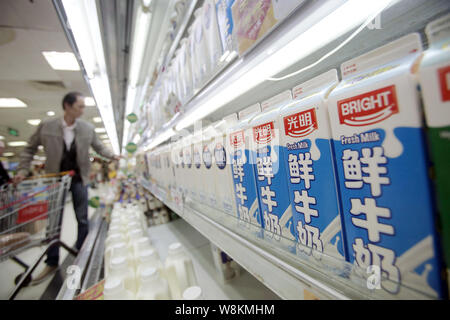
286, 274
243, 287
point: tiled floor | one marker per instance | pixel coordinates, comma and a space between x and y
9, 269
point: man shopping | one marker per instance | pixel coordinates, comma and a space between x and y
66, 143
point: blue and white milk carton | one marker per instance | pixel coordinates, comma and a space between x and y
197, 166
244, 180
187, 169
381, 160
226, 26
208, 195
270, 172
305, 137
222, 166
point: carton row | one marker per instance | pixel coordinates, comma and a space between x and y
339, 168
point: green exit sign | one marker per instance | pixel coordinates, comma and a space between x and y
13, 132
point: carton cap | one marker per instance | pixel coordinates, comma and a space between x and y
149, 273
192, 293
113, 285
175, 248
119, 262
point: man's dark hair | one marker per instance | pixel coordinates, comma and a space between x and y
70, 98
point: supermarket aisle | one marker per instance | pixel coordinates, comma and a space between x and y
9, 269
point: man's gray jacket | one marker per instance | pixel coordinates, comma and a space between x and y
50, 135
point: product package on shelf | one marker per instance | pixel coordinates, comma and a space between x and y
212, 37
434, 75
381, 160
244, 180
198, 167
253, 19
222, 163
226, 26
209, 178
187, 165
305, 137
270, 172
200, 49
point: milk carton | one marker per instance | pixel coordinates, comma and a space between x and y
222, 165
382, 170
270, 173
226, 26
305, 138
208, 179
244, 180
212, 38
434, 76
187, 165
198, 167
179, 166
201, 51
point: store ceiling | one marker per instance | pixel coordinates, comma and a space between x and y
27, 28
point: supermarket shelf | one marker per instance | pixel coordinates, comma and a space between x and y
289, 283
244, 287
297, 277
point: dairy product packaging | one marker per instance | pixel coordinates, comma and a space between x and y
198, 167
212, 37
187, 165
200, 49
208, 178
222, 166
179, 270
227, 269
186, 67
226, 26
434, 76
254, 19
114, 289
270, 172
305, 138
244, 179
381, 160
152, 286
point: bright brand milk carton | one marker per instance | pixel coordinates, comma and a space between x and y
270, 171
244, 180
305, 137
434, 76
222, 165
381, 160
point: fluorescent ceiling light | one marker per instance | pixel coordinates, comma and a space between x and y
83, 20
340, 21
17, 143
97, 119
34, 122
50, 113
100, 130
89, 102
104, 136
8, 154
61, 60
11, 103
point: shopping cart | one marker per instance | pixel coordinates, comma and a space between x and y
31, 216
